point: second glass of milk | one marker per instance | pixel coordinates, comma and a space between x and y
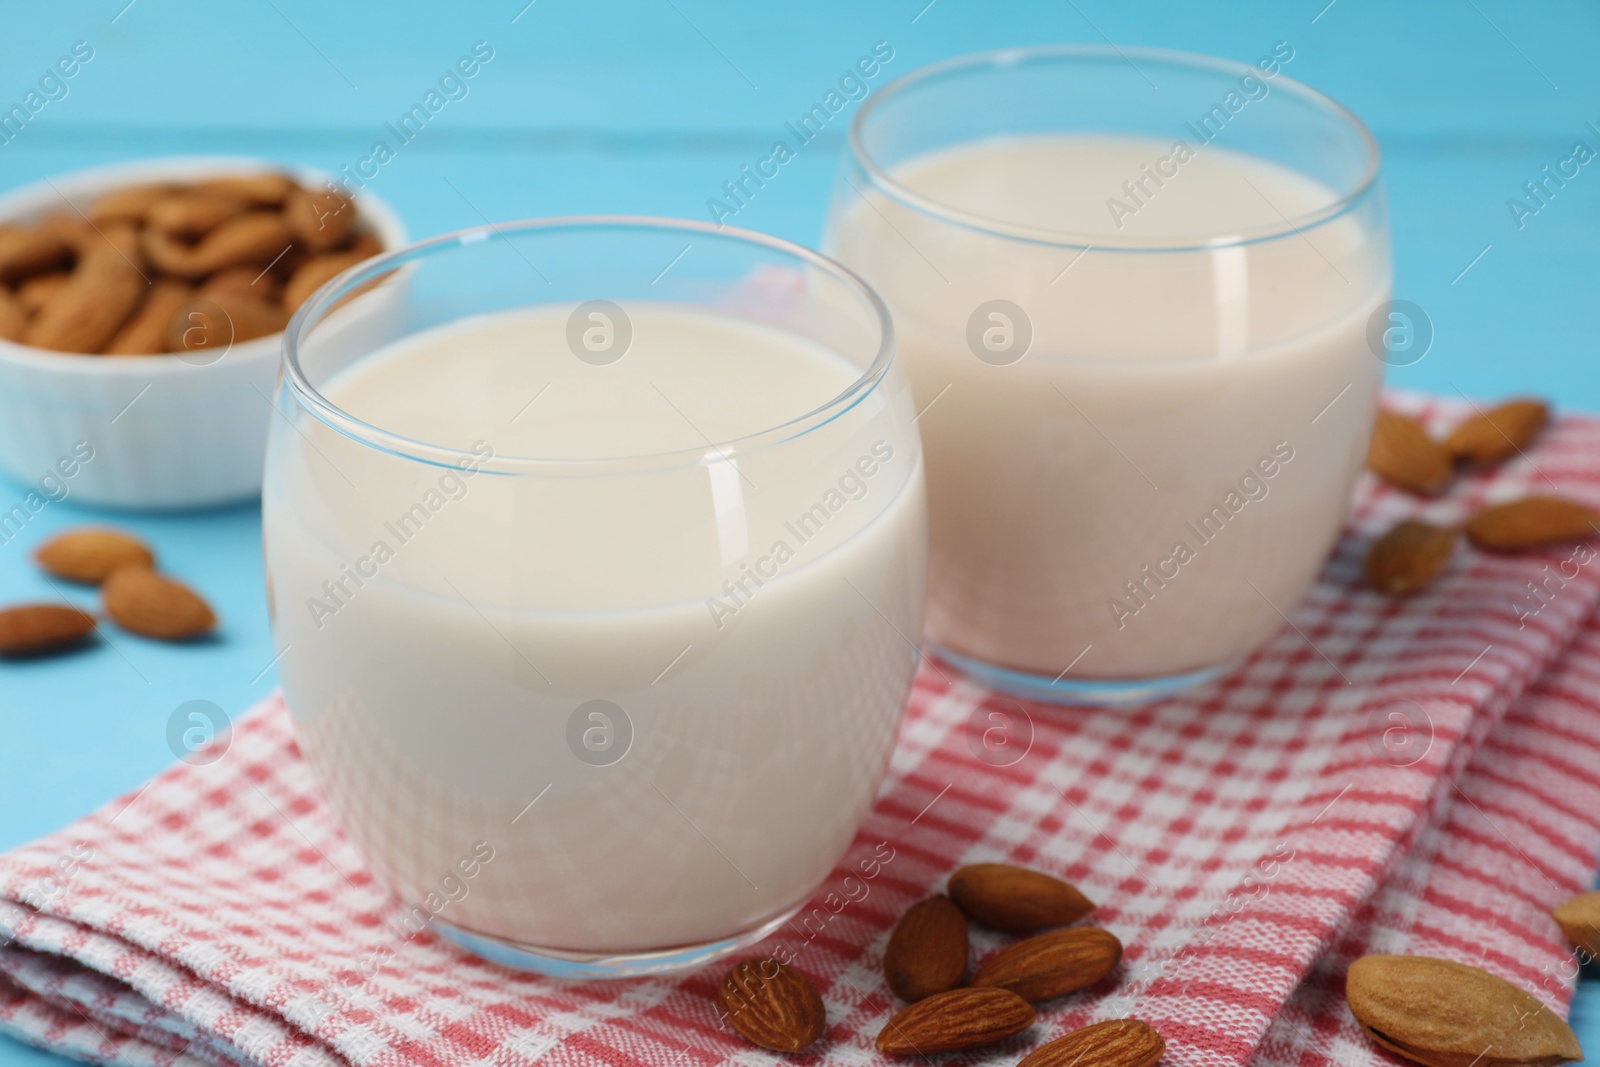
596, 553
1134, 291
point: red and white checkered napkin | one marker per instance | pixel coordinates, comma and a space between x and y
1233, 837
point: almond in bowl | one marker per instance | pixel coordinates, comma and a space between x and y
141, 313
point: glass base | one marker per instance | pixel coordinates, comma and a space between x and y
1080, 692
561, 963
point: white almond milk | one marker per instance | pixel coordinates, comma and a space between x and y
1168, 464
747, 616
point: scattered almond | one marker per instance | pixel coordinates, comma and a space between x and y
90, 554
1403, 454
242, 281
1446, 1014
927, 952
1530, 522
143, 602
1113, 1043
955, 1020
1052, 964
1408, 557
772, 1005
1005, 897
1499, 433
1579, 919
35, 629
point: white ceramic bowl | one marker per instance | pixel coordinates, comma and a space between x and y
158, 432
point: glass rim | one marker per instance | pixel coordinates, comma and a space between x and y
1000, 59
320, 304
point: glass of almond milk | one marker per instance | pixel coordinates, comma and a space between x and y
1134, 290
595, 554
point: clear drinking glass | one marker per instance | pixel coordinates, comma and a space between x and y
593, 547
1135, 291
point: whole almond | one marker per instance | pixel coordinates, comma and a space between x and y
1499, 433
191, 214
1052, 964
1408, 557
255, 237
1113, 1043
1530, 522
90, 554
1579, 919
1015, 899
25, 251
772, 1005
145, 334
34, 629
1447, 1014
143, 602
261, 190
1403, 454
242, 281
86, 312
314, 273
202, 325
927, 952
36, 292
954, 1020
13, 318
127, 204
320, 221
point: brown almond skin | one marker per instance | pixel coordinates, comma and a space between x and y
128, 204
955, 1020
192, 214
1531, 522
320, 221
26, 251
36, 292
1052, 964
145, 603
1498, 434
314, 273
1579, 919
1015, 899
200, 324
13, 317
37, 629
1403, 454
260, 190
927, 952
1447, 1014
1408, 557
255, 237
1113, 1043
772, 1005
104, 290
242, 281
145, 334
91, 554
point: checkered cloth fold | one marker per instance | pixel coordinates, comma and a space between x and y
1333, 794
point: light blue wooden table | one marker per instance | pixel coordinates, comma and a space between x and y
648, 106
